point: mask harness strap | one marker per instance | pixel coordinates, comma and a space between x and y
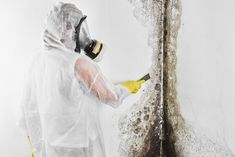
77, 29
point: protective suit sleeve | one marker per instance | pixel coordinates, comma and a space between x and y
90, 74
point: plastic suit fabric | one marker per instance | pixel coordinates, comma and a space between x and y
62, 94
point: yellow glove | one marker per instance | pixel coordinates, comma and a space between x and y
133, 86
31, 146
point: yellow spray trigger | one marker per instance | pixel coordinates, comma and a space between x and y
31, 146
133, 86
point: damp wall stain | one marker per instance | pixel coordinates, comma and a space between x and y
154, 126
172, 116
141, 128
147, 129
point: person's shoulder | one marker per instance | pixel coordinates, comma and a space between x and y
52, 56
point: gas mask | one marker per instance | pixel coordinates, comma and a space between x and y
92, 48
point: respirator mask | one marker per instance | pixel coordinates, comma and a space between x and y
91, 47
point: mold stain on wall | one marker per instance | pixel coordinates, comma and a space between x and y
154, 126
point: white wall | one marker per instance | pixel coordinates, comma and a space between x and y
111, 21
206, 75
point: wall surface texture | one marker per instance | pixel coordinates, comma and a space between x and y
205, 68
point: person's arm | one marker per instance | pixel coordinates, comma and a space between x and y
103, 89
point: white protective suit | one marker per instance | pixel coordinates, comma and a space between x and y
63, 91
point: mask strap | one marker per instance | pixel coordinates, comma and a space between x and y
77, 30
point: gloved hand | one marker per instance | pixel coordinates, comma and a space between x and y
133, 86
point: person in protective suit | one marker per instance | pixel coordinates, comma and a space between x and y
64, 88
